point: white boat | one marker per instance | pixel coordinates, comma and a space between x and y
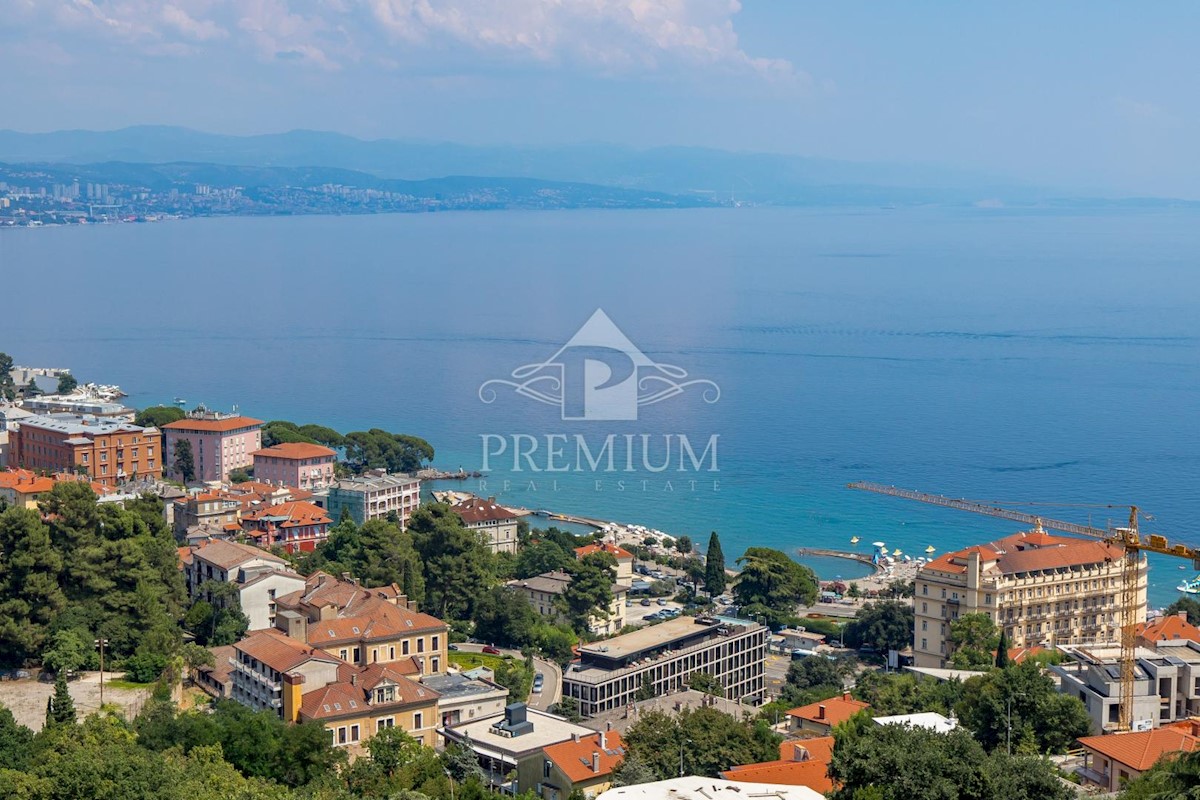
1190, 587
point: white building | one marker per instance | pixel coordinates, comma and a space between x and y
542, 592
374, 496
260, 577
491, 519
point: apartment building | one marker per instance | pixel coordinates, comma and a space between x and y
221, 443
1043, 590
610, 672
214, 511
624, 558
494, 521
364, 626
106, 450
259, 577
296, 526
1166, 686
543, 592
300, 683
299, 464
374, 496
1110, 762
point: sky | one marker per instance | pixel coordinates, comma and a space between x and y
1098, 95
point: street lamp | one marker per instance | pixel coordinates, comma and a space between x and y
1008, 735
682, 742
100, 643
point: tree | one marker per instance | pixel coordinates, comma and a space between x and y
706, 683
683, 544
973, 639
895, 693
378, 553
503, 616
772, 585
8, 390
240, 476
62, 707
378, 449
885, 626
567, 707
811, 679
542, 556
184, 464
894, 762
31, 595
645, 690
1188, 605
1002, 650
456, 562
66, 383
1026, 697
158, 416
589, 593
1173, 777
15, 740
632, 771
714, 566
461, 762
70, 649
709, 740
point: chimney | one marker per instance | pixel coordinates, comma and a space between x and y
575, 738
354, 680
845, 695
1182, 615
603, 741
821, 711
595, 763
608, 725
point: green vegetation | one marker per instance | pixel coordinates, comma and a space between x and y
589, 594
894, 693
706, 683
1188, 605
973, 639
66, 383
771, 585
1172, 778
371, 449
886, 625
184, 462
891, 762
94, 570
714, 566
157, 416
8, 390
1043, 719
709, 741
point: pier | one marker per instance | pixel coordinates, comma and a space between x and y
819, 551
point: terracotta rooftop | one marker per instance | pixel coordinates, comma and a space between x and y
279, 652
614, 550
295, 451
818, 748
23, 481
322, 589
1027, 552
350, 696
383, 621
290, 515
1141, 750
830, 712
475, 510
1169, 628
213, 425
813, 774
228, 555
575, 759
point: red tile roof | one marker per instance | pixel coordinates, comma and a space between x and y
1141, 750
575, 759
296, 512
614, 550
1028, 552
817, 748
280, 652
381, 622
813, 774
228, 555
213, 425
23, 481
350, 696
830, 712
1169, 628
475, 510
295, 451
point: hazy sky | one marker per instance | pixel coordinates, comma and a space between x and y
1095, 94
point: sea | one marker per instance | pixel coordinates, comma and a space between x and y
1047, 359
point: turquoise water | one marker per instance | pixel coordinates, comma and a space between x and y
829, 568
996, 355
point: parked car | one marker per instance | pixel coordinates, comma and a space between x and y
645, 601
651, 617
491, 650
662, 601
452, 646
628, 603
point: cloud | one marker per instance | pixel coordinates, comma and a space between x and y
605, 37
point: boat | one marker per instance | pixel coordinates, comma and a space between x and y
179, 401
853, 540
1190, 587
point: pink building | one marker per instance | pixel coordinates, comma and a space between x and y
220, 443
305, 466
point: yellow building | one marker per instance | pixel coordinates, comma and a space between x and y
364, 626
1042, 590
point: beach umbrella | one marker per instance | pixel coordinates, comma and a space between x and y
896, 552
929, 549
880, 545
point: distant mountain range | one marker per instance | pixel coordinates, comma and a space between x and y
692, 175
716, 174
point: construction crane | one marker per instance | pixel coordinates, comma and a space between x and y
1132, 542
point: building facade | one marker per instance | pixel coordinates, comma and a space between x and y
221, 443
258, 576
1042, 590
374, 496
494, 521
305, 466
543, 592
583, 764
109, 451
664, 656
1110, 762
216, 511
624, 558
296, 526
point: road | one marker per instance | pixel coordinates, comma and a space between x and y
551, 691
776, 672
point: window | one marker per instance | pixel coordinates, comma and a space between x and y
342, 735
924, 644
354, 733
435, 642
421, 645
418, 721
392, 652
386, 722
437, 664
404, 647
925, 589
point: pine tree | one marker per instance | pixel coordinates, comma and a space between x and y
714, 566
185, 464
62, 709
1002, 650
